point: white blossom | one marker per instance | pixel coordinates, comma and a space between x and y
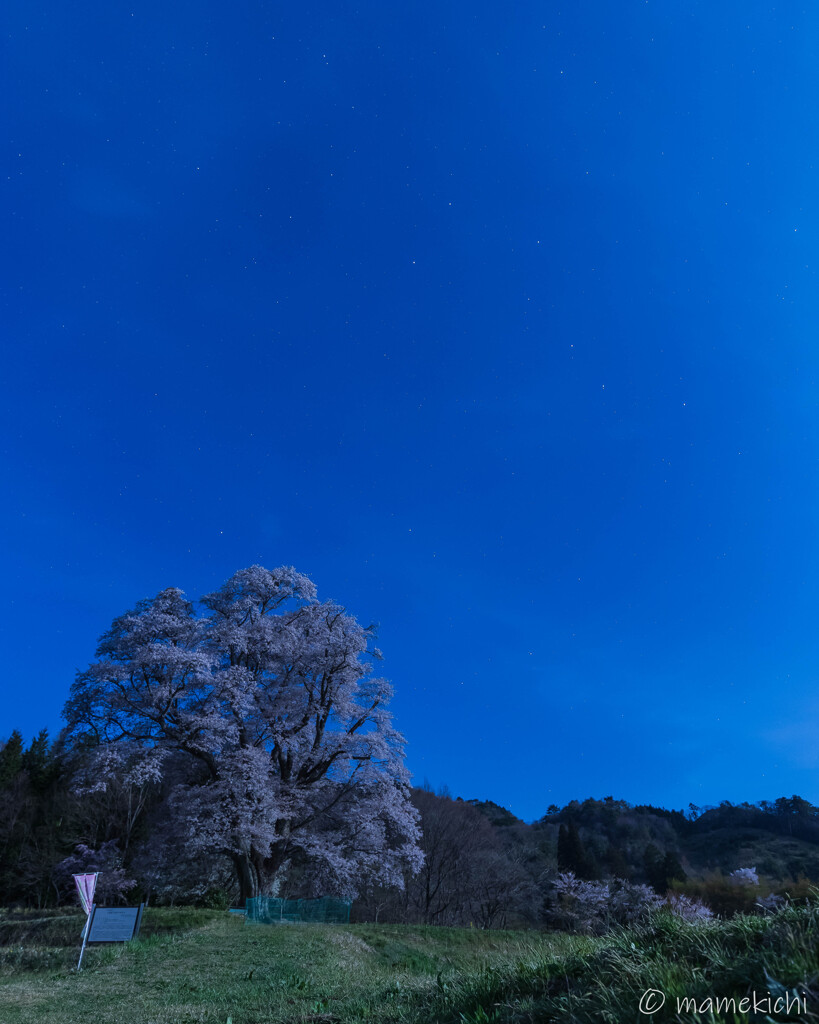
263, 723
688, 908
744, 876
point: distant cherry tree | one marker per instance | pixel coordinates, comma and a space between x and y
578, 905
113, 884
263, 725
744, 876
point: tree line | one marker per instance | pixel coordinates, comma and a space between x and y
248, 748
481, 865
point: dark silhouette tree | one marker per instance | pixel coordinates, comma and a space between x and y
11, 759
672, 869
572, 855
654, 868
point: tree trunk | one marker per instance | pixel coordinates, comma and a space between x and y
279, 855
247, 875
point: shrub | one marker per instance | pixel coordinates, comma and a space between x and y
723, 895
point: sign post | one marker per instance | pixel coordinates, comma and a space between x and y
85, 932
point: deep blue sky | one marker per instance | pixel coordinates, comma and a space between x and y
499, 321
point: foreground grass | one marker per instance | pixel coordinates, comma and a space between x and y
201, 966
211, 966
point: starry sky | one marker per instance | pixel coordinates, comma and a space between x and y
498, 321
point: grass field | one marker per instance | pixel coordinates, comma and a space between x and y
205, 966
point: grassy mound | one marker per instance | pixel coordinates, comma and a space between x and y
206, 966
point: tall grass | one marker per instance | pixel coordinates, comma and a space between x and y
605, 980
206, 967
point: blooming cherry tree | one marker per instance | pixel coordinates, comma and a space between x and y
744, 876
263, 721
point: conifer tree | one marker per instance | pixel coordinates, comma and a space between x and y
11, 759
672, 869
562, 849
571, 853
36, 761
654, 867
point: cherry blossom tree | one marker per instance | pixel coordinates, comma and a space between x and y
263, 722
744, 876
113, 885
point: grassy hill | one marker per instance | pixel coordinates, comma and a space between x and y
209, 967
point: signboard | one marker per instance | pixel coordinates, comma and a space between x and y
115, 924
111, 924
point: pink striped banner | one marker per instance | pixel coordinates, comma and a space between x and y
86, 884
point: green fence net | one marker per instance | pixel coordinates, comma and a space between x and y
272, 910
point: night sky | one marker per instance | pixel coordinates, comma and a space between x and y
498, 321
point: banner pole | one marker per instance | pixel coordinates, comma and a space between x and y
86, 933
